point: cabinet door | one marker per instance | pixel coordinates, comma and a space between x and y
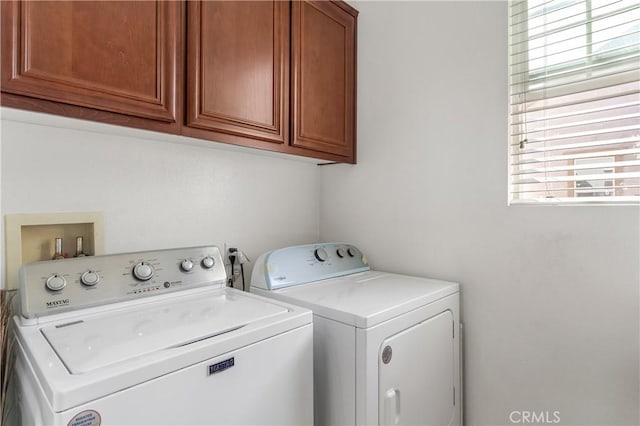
116, 56
324, 70
238, 70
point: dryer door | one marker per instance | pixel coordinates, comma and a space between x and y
416, 374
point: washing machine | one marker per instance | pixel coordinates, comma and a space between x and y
386, 346
156, 338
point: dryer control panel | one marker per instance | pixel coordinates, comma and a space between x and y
57, 286
297, 265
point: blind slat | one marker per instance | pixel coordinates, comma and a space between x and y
575, 112
521, 7
564, 189
520, 12
575, 99
593, 177
521, 36
525, 56
564, 43
568, 168
572, 200
619, 63
573, 21
601, 132
576, 156
571, 124
613, 78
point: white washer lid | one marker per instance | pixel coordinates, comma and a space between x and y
95, 342
368, 298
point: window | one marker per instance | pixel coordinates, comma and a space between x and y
574, 92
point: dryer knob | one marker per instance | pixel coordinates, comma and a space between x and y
56, 282
208, 262
321, 254
341, 252
143, 271
352, 252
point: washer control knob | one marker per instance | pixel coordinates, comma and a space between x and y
341, 252
143, 271
321, 254
56, 282
352, 252
90, 278
186, 265
208, 262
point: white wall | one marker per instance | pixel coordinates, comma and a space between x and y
157, 191
550, 294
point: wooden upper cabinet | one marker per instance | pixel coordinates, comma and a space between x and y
116, 56
275, 75
323, 77
238, 71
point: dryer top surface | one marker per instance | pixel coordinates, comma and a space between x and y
368, 298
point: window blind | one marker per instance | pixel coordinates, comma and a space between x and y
574, 86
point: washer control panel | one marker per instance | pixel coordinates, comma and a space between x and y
296, 265
56, 286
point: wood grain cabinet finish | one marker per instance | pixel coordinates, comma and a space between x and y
274, 75
118, 61
238, 70
323, 77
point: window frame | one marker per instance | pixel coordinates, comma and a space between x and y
523, 87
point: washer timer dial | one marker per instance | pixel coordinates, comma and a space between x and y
90, 278
143, 271
321, 254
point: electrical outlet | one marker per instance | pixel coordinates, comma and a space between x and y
225, 254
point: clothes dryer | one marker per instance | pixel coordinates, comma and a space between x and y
386, 346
